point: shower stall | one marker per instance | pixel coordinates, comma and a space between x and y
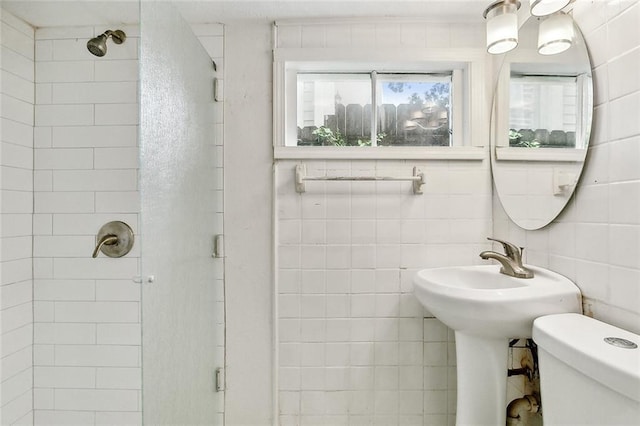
112, 120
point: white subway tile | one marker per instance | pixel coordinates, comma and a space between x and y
16, 109
88, 224
17, 87
118, 418
623, 32
113, 312
43, 180
67, 71
119, 378
43, 399
16, 133
65, 32
63, 115
15, 248
624, 245
15, 317
64, 377
123, 70
624, 288
94, 180
16, 63
624, 203
95, 93
16, 341
94, 136
119, 334
18, 41
15, 294
19, 411
116, 158
61, 417
117, 114
623, 121
64, 290
13, 387
60, 159
44, 94
63, 334
97, 355
118, 202
42, 224
100, 268
96, 400
622, 78
117, 290
43, 355
64, 202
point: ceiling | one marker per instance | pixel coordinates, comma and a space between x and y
53, 13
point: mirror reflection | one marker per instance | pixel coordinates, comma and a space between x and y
541, 123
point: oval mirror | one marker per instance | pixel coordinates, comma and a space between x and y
540, 126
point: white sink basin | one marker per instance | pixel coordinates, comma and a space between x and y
481, 301
485, 309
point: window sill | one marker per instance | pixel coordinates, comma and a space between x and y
554, 155
379, 153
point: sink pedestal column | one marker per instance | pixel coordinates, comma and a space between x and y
482, 380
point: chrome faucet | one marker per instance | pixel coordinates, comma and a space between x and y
511, 261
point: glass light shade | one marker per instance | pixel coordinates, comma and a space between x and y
502, 26
555, 34
546, 7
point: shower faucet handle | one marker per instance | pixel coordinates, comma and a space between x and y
114, 239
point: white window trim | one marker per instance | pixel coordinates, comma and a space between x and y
287, 61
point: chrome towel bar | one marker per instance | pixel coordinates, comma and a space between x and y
418, 179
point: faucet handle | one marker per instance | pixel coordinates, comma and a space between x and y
510, 249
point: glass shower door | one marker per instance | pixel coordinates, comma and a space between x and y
182, 344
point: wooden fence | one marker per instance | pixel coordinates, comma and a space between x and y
402, 125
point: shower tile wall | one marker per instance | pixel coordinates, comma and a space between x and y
87, 330
86, 311
16, 209
596, 240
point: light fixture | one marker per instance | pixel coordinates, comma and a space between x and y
555, 34
502, 26
546, 7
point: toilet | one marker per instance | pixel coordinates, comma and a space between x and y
589, 371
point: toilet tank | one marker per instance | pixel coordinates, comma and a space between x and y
583, 379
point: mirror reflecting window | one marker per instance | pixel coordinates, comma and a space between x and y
541, 123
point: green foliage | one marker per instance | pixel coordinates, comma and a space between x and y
326, 136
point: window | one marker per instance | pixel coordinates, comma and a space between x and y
379, 103
335, 109
543, 111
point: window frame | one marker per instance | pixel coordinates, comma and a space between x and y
469, 91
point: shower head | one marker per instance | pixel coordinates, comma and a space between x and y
98, 45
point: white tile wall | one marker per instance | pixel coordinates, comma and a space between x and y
87, 332
79, 334
355, 346
16, 183
596, 240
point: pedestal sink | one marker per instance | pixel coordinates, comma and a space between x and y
485, 309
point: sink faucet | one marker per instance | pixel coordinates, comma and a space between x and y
511, 261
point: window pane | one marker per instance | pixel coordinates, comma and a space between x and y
543, 111
414, 110
334, 109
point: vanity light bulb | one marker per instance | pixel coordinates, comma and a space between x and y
555, 34
546, 7
502, 26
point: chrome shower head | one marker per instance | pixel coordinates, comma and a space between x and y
98, 45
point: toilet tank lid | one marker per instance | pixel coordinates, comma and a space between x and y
579, 341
